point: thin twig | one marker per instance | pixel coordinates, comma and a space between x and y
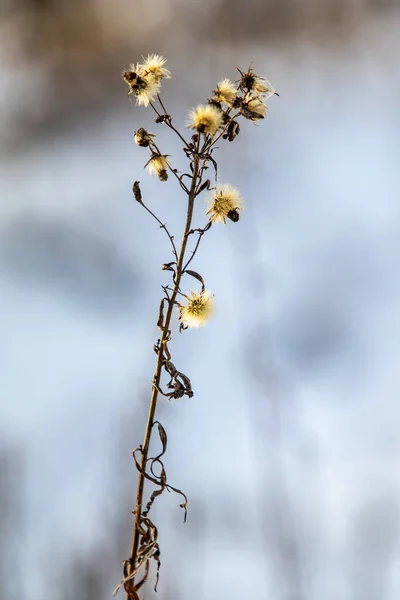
169, 123
162, 226
201, 232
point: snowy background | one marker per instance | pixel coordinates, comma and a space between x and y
289, 450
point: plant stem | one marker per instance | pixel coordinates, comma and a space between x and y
157, 374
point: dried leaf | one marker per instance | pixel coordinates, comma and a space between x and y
160, 320
196, 276
168, 266
204, 186
170, 488
163, 437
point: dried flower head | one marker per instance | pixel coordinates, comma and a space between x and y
224, 202
205, 119
153, 66
249, 80
258, 87
264, 87
251, 83
144, 88
253, 107
146, 91
198, 309
144, 78
158, 165
225, 92
143, 137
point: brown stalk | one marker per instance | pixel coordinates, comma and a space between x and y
157, 374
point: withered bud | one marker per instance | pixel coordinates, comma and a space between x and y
247, 80
136, 192
233, 215
143, 137
232, 131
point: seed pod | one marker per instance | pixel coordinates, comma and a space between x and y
233, 215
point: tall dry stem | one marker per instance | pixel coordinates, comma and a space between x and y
213, 121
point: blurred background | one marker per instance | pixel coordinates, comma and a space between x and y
289, 450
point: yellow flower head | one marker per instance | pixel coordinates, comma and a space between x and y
153, 66
225, 92
224, 202
198, 309
158, 165
205, 119
253, 108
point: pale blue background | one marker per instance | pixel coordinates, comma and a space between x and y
289, 450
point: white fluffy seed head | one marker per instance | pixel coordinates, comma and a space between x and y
198, 309
223, 203
205, 118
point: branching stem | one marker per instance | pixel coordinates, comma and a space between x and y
165, 336
162, 226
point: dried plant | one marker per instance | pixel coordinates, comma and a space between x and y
216, 120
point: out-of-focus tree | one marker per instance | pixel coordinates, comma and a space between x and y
13, 525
